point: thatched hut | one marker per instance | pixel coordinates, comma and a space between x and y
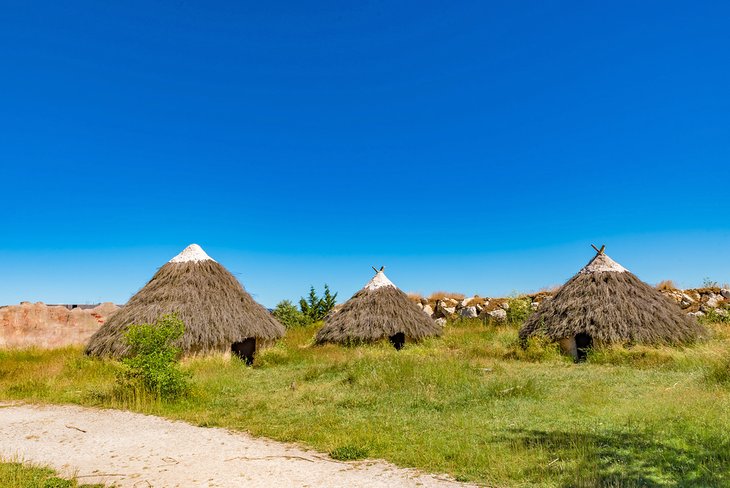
606, 304
219, 315
379, 311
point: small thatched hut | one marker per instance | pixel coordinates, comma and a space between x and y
219, 315
379, 311
606, 304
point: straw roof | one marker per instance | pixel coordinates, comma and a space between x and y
215, 308
378, 311
612, 305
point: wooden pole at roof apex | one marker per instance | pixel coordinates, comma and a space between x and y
378, 270
599, 251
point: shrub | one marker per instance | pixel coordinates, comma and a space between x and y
519, 309
288, 314
152, 364
716, 316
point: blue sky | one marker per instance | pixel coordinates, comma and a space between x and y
472, 146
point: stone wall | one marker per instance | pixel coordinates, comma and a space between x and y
695, 301
47, 327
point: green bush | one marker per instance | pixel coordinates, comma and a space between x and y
716, 316
152, 363
288, 314
519, 309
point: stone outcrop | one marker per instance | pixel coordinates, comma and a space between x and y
50, 326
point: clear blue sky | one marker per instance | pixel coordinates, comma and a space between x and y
468, 146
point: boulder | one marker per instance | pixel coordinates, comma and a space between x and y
725, 292
469, 312
445, 308
428, 310
441, 321
498, 315
713, 300
685, 301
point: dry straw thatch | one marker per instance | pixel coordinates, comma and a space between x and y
379, 311
611, 305
215, 308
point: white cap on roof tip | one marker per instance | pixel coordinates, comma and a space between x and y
379, 281
602, 263
192, 253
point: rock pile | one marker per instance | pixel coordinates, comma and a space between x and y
50, 326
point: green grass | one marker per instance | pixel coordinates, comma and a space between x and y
472, 404
23, 475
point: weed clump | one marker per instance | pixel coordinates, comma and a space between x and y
348, 453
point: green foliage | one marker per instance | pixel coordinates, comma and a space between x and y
348, 453
288, 314
316, 308
716, 316
152, 363
519, 309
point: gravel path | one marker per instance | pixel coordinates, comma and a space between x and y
132, 450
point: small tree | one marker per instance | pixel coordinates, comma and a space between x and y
316, 308
329, 301
152, 362
310, 305
288, 314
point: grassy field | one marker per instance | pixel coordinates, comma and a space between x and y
472, 404
21, 475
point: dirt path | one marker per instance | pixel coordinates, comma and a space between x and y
134, 450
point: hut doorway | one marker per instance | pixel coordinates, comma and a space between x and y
583, 343
398, 340
245, 350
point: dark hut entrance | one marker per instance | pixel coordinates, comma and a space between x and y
245, 350
398, 340
583, 343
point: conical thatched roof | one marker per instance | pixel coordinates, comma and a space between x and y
378, 311
612, 305
215, 308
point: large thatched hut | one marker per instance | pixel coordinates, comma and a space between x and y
379, 311
606, 304
219, 315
